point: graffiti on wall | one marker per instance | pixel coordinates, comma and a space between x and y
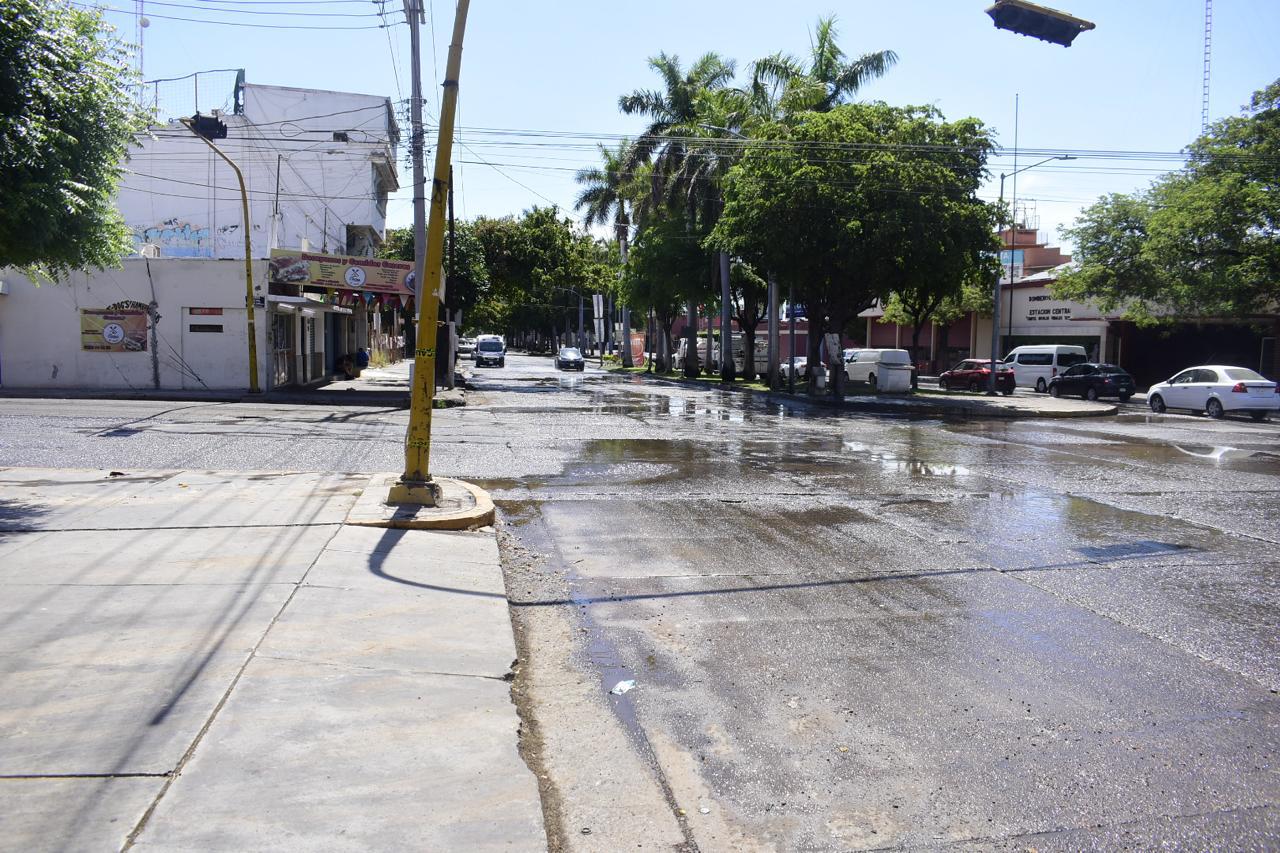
175, 239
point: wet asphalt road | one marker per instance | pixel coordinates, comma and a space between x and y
856, 632
847, 632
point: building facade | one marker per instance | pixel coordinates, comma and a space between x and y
318, 168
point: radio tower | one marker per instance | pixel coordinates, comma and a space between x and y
1208, 50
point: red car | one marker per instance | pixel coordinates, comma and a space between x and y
974, 374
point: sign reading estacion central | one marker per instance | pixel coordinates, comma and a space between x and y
344, 272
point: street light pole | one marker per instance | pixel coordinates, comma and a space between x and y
191, 125
1013, 240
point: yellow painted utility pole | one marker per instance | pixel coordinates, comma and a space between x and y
415, 485
248, 255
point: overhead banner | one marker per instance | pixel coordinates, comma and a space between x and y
112, 330
369, 275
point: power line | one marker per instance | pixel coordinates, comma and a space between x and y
308, 13
130, 13
484, 162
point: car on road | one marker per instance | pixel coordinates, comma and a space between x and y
1092, 380
799, 363
1035, 364
570, 358
490, 349
974, 374
466, 346
1217, 389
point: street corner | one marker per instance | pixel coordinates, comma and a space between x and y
460, 506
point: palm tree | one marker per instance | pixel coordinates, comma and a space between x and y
687, 162
782, 85
603, 195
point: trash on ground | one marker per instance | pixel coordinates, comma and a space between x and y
623, 686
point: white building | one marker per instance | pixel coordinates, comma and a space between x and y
318, 167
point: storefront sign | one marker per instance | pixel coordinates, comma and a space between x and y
369, 275
113, 330
206, 312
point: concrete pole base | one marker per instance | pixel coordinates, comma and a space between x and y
457, 505
416, 493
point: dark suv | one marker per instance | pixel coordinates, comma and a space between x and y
1091, 381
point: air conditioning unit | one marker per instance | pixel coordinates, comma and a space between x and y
149, 250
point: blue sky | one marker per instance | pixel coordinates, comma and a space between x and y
1132, 85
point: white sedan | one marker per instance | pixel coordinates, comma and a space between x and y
1215, 390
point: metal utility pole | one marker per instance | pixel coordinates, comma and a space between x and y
204, 127
773, 333
791, 316
726, 321
581, 339
415, 485
623, 226
1208, 53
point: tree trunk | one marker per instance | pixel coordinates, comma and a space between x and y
727, 368
691, 367
1275, 348
748, 352
813, 362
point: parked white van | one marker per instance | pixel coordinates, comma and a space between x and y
882, 369
1033, 366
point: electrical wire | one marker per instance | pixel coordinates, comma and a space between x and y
484, 162
308, 13
132, 13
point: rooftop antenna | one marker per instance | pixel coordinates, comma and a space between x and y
1208, 51
142, 23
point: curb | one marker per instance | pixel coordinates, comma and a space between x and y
396, 399
464, 506
963, 410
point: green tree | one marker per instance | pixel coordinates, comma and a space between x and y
1202, 241
896, 205
468, 284
67, 117
678, 148
537, 265
666, 269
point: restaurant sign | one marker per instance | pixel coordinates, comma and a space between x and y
369, 275
113, 330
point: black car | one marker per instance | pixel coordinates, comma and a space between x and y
570, 358
1091, 381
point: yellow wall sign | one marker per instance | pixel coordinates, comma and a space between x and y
371, 275
111, 330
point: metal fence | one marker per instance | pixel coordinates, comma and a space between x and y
202, 91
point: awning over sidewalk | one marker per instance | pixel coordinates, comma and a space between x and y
302, 305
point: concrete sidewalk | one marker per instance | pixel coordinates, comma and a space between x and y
216, 661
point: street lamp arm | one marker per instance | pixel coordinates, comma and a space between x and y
1004, 175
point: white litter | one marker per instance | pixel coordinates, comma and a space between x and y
623, 686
